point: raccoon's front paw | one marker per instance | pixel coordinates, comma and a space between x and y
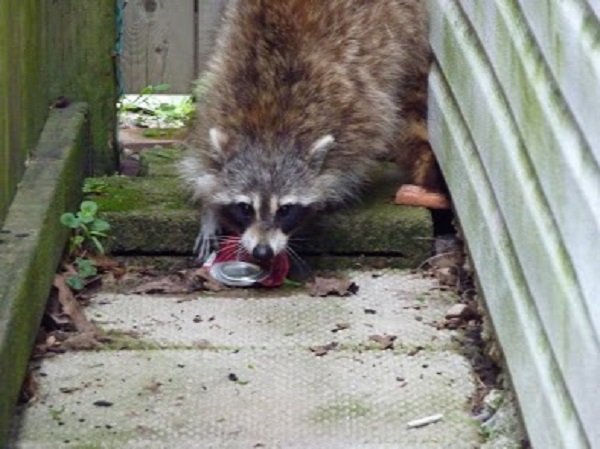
204, 247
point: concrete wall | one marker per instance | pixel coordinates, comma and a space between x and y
514, 120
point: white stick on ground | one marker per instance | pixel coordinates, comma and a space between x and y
424, 421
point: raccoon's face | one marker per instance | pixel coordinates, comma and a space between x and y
265, 223
267, 195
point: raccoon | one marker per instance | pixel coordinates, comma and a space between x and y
300, 99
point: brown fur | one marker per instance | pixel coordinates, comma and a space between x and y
299, 69
286, 73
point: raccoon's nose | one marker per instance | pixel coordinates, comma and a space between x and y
262, 252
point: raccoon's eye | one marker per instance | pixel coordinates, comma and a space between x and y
290, 216
285, 210
240, 213
245, 209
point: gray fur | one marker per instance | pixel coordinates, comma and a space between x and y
285, 75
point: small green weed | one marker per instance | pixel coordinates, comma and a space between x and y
85, 269
161, 115
94, 186
87, 228
88, 231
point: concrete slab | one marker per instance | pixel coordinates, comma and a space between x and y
185, 399
258, 385
152, 215
385, 304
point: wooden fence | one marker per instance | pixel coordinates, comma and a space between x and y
23, 98
52, 49
167, 42
514, 110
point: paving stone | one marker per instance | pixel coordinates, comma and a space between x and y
258, 384
187, 399
382, 306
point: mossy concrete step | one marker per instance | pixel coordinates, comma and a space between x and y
151, 215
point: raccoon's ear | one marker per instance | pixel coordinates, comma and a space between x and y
318, 151
218, 141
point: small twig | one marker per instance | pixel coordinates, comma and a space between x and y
424, 421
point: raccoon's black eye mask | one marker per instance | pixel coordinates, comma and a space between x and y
239, 214
291, 216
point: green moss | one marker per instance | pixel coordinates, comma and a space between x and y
341, 409
125, 341
121, 341
90, 446
160, 161
399, 347
127, 194
152, 215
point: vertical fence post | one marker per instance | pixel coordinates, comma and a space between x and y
210, 15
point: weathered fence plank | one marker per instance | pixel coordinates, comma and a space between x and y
210, 14
80, 44
48, 50
159, 44
23, 101
6, 191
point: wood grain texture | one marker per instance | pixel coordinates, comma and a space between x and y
159, 44
22, 90
80, 44
6, 190
210, 15
51, 49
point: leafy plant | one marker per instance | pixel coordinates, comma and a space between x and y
94, 185
87, 228
88, 231
159, 115
84, 269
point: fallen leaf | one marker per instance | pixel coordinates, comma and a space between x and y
462, 311
71, 306
447, 275
68, 390
153, 387
384, 341
202, 344
165, 285
181, 282
340, 327
104, 263
29, 388
320, 351
415, 351
86, 341
453, 323
209, 283
332, 287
